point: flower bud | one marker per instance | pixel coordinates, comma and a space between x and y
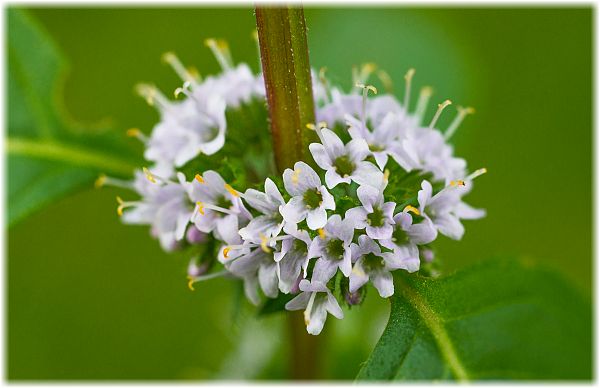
426, 254
194, 236
352, 298
196, 269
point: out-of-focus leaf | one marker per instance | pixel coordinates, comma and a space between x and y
497, 320
49, 155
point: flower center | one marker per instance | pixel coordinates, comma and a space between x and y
375, 148
312, 198
344, 166
335, 249
372, 262
376, 218
400, 237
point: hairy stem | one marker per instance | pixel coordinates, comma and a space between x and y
286, 70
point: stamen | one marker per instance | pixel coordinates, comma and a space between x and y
104, 180
408, 79
476, 173
366, 89
123, 205
149, 175
386, 80
135, 132
100, 181
458, 182
199, 178
325, 83
439, 111
191, 283
308, 310
322, 233
317, 128
192, 279
413, 209
231, 190
226, 252
153, 96
424, 96
202, 206
365, 71
183, 73
264, 240
462, 113
220, 50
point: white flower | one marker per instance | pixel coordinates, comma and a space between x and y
292, 259
371, 264
446, 208
270, 223
257, 267
407, 236
374, 215
332, 247
317, 301
235, 85
344, 162
187, 129
428, 149
385, 139
218, 206
164, 206
310, 199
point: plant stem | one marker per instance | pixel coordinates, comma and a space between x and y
286, 70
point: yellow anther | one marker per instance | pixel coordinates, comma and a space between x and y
231, 190
133, 132
226, 252
199, 178
386, 80
409, 74
444, 104
311, 126
193, 72
148, 92
367, 87
426, 91
200, 207
386, 175
413, 209
149, 175
457, 182
100, 181
477, 173
191, 283
322, 233
322, 72
120, 207
264, 240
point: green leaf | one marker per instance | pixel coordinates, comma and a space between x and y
497, 320
49, 154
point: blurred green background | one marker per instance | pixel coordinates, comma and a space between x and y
90, 298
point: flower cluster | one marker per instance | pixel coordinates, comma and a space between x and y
377, 190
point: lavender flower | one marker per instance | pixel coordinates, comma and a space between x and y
310, 199
317, 301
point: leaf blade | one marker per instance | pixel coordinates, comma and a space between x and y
498, 316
